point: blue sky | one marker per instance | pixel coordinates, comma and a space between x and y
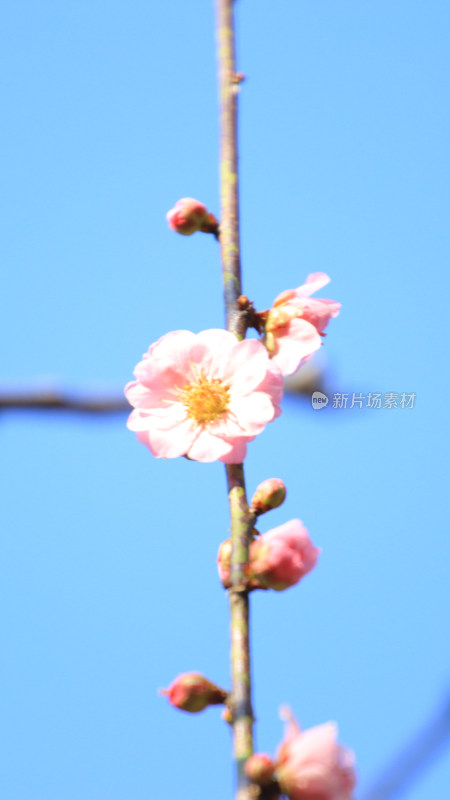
109, 585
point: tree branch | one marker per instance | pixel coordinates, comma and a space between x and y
241, 518
56, 400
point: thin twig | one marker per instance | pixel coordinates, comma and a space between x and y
229, 179
55, 400
241, 518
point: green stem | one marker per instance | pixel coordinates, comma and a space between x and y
229, 179
242, 520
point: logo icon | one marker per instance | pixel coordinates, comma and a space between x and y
319, 400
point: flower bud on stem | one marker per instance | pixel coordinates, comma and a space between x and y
189, 216
192, 692
269, 494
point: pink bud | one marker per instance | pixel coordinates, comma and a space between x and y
278, 558
259, 768
189, 216
193, 692
269, 494
224, 562
281, 557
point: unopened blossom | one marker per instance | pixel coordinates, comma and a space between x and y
224, 562
259, 767
311, 764
296, 322
189, 216
277, 560
271, 493
192, 692
281, 557
203, 395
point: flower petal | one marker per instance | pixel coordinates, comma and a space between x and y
173, 442
296, 342
173, 350
319, 312
273, 384
161, 418
207, 447
137, 394
253, 412
242, 363
238, 451
314, 282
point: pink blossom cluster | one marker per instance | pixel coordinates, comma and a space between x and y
206, 395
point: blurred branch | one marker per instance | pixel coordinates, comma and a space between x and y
415, 758
55, 400
307, 380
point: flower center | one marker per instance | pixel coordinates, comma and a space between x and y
205, 400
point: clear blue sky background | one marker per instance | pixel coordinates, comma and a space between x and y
109, 585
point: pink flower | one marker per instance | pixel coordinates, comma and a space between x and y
192, 692
313, 766
296, 322
203, 395
189, 216
278, 558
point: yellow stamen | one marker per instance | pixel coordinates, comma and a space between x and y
280, 317
205, 400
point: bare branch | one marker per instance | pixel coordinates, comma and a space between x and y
55, 400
